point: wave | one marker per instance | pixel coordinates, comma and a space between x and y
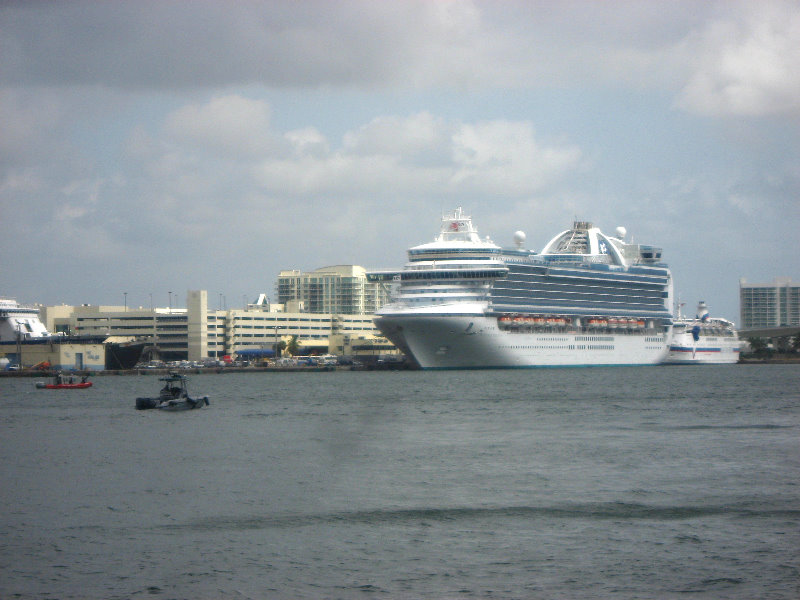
421, 516
767, 426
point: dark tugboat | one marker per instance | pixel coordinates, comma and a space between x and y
174, 396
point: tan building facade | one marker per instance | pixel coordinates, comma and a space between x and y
196, 333
57, 355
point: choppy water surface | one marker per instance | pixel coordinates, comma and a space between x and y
662, 482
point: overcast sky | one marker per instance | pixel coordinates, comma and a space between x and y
156, 147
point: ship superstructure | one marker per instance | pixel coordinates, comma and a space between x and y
586, 299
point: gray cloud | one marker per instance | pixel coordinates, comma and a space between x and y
728, 57
174, 44
145, 145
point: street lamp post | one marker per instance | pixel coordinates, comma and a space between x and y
170, 302
125, 295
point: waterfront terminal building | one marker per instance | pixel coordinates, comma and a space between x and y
327, 311
196, 333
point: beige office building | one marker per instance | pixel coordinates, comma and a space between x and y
197, 333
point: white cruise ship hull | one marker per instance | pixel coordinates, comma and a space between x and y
708, 350
438, 341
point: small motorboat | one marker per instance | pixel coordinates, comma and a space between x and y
63, 386
173, 397
61, 382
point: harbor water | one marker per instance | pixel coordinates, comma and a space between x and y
647, 482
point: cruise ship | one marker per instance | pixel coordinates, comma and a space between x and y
587, 299
20, 323
703, 340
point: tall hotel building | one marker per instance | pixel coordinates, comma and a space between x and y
769, 305
340, 289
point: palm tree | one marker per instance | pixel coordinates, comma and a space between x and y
783, 344
293, 346
758, 346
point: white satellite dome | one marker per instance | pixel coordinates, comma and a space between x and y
519, 238
621, 232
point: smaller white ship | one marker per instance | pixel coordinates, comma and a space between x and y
703, 340
20, 323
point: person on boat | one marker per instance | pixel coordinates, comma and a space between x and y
84, 378
59, 378
170, 391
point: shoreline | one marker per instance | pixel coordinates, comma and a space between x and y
199, 371
778, 360
783, 360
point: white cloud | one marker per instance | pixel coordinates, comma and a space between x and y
750, 206
425, 155
308, 141
230, 125
746, 64
393, 135
503, 157
24, 181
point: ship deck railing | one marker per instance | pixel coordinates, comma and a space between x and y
448, 266
579, 330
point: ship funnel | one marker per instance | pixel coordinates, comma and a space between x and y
702, 311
